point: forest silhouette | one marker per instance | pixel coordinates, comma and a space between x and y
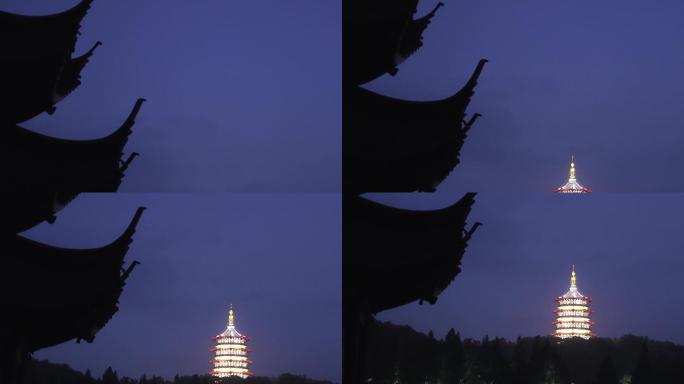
399, 354
44, 372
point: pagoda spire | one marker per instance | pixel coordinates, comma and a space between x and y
572, 167
573, 278
231, 317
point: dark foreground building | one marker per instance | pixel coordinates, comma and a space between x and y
392, 257
394, 145
51, 295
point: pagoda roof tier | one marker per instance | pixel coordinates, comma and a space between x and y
572, 187
572, 293
380, 35
57, 294
223, 336
585, 309
395, 256
246, 361
36, 162
219, 373
231, 331
570, 334
37, 70
245, 349
589, 321
395, 145
583, 298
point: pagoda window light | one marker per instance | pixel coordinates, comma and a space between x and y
572, 186
230, 358
573, 320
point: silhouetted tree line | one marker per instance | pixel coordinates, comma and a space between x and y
45, 372
399, 354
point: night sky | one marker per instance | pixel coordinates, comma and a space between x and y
627, 249
600, 80
246, 96
275, 257
242, 95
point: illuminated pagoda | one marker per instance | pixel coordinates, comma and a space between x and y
573, 313
230, 357
572, 186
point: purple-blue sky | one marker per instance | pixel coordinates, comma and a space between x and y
627, 249
242, 95
276, 257
600, 80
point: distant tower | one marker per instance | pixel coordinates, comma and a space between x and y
230, 357
573, 313
572, 186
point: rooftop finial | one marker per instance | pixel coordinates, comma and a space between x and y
572, 167
231, 319
573, 278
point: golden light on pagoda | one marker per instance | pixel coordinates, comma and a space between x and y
573, 315
230, 352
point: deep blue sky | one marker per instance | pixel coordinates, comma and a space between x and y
242, 95
276, 257
600, 80
627, 249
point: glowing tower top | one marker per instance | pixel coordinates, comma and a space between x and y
230, 357
573, 313
572, 186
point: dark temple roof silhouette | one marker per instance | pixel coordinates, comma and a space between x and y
49, 294
379, 35
396, 256
392, 257
32, 161
394, 145
36, 68
52, 295
41, 35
